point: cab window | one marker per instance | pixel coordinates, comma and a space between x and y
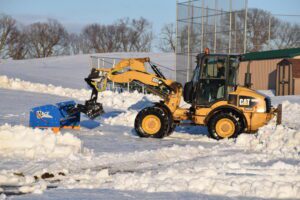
212, 81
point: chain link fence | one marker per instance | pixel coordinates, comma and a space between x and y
228, 26
207, 23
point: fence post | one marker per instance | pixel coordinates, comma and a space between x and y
202, 26
176, 43
215, 21
189, 40
245, 26
269, 33
230, 27
98, 63
113, 83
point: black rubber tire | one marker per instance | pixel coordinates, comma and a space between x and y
161, 114
213, 121
171, 129
172, 125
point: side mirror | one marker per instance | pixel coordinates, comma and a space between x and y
188, 92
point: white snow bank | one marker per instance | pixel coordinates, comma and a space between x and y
2, 196
269, 93
21, 183
24, 142
124, 119
278, 140
17, 84
115, 100
127, 100
199, 170
291, 114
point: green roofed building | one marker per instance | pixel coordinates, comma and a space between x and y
273, 54
268, 74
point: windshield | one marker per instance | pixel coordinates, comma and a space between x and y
196, 74
233, 70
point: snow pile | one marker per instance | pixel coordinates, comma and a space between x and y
198, 170
269, 93
288, 107
274, 140
24, 142
125, 100
210, 181
20, 183
17, 84
124, 119
115, 100
2, 196
291, 114
277, 140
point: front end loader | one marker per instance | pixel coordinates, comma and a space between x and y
216, 100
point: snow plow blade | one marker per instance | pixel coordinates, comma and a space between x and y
55, 116
91, 108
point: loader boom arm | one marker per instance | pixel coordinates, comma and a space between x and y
134, 70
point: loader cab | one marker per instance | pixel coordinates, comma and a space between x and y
214, 77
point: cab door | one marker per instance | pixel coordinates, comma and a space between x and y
284, 79
211, 86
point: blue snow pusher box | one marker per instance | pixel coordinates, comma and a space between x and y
55, 116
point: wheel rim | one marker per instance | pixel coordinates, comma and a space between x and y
225, 128
151, 124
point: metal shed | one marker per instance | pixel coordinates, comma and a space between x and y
288, 77
262, 67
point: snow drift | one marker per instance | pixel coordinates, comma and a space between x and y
274, 140
24, 142
111, 99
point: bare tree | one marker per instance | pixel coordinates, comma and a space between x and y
140, 35
167, 41
17, 45
258, 37
7, 26
124, 33
287, 36
258, 32
120, 36
75, 44
93, 37
46, 39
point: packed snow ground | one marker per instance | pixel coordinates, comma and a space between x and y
107, 160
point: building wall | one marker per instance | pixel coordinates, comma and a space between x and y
263, 74
296, 86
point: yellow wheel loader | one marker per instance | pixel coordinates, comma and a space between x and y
216, 100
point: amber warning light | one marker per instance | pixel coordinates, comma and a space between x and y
206, 51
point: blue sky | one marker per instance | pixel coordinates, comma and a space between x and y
74, 14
